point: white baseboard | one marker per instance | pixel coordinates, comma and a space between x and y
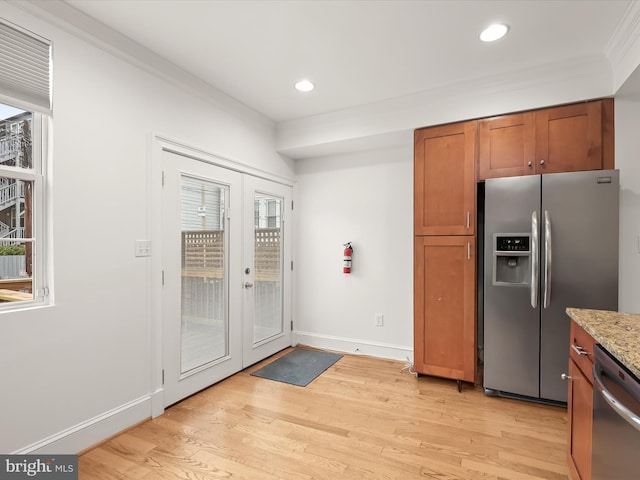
354, 346
95, 430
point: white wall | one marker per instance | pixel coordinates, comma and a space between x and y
365, 198
88, 357
627, 144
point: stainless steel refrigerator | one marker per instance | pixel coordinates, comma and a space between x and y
551, 242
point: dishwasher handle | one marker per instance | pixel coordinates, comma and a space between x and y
630, 417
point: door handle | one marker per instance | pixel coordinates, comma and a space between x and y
547, 259
248, 284
534, 259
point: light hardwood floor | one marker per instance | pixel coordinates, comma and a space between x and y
361, 419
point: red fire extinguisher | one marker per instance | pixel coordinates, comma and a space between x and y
348, 250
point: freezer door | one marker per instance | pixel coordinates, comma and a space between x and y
511, 323
582, 227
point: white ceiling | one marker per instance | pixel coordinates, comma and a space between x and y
357, 52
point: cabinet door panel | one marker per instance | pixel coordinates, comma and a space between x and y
580, 411
569, 138
444, 176
445, 307
506, 146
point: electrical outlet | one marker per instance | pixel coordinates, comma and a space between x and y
143, 248
379, 319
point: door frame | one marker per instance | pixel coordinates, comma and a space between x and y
157, 144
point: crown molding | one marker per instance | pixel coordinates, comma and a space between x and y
623, 49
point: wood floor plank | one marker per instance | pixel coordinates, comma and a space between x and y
362, 419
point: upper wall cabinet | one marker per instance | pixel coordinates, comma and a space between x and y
506, 145
444, 176
560, 139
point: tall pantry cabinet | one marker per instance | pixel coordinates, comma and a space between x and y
445, 251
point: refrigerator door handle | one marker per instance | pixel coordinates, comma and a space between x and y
534, 259
547, 259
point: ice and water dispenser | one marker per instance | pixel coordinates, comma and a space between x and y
511, 259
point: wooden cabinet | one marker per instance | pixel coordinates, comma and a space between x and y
575, 137
560, 139
445, 307
506, 145
444, 180
580, 403
445, 251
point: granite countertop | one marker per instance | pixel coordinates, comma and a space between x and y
618, 333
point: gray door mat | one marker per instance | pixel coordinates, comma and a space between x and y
298, 367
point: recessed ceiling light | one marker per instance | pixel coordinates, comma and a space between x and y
304, 86
494, 32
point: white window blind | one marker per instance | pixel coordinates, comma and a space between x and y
25, 67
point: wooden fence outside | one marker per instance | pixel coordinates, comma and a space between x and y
203, 274
203, 254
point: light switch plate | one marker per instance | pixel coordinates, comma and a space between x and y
143, 248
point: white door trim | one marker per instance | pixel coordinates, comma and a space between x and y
174, 146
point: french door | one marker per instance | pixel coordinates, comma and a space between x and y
267, 268
225, 294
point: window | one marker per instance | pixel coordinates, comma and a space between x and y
21, 190
266, 212
25, 106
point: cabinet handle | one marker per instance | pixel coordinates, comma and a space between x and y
530, 164
468, 219
541, 162
564, 376
468, 250
579, 350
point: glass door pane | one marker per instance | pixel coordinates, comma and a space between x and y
204, 309
201, 263
268, 266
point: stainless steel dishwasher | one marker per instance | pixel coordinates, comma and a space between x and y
616, 420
